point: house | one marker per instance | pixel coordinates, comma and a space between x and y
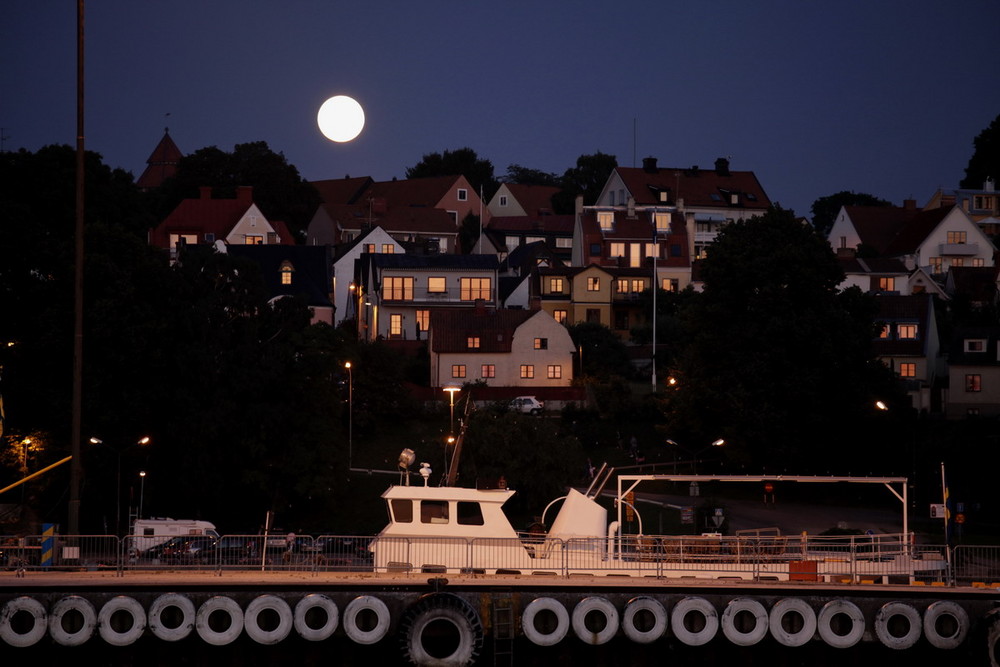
908, 343
518, 200
161, 165
707, 198
499, 347
937, 239
648, 237
398, 292
346, 291
982, 205
207, 220
974, 373
428, 210
512, 232
293, 271
577, 294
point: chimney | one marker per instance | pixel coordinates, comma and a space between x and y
649, 165
205, 192
535, 303
722, 167
631, 207
244, 194
910, 204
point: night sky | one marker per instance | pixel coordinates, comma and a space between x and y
876, 96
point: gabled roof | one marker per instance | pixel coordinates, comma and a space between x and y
414, 192
534, 199
339, 191
873, 265
162, 163
894, 230
525, 258
451, 328
704, 188
394, 220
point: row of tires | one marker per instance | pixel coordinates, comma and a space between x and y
744, 622
545, 621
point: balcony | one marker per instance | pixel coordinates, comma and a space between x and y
958, 249
421, 296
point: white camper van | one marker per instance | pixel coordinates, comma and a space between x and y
147, 533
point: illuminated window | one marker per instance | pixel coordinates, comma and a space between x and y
957, 237
555, 372
908, 370
906, 331
489, 371
286, 273
935, 264
395, 324
398, 289
622, 285
458, 370
472, 342
973, 383
555, 285
887, 284
475, 288
652, 249
606, 220
662, 221
527, 371
669, 284
369, 248
423, 319
560, 316
253, 240
388, 248
541, 343
436, 286
593, 284
617, 250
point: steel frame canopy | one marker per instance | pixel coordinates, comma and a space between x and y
630, 482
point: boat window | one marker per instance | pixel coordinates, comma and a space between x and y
402, 510
434, 511
470, 514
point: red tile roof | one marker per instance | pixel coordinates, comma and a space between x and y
534, 199
547, 224
451, 329
697, 187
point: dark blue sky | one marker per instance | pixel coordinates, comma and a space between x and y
876, 96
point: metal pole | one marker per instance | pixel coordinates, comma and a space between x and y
76, 472
350, 415
656, 252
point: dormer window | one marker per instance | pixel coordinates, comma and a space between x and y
606, 220
975, 345
906, 331
286, 272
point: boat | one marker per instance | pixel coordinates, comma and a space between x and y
450, 529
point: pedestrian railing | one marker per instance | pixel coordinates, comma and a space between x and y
847, 559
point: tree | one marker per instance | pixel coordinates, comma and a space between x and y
278, 190
780, 361
461, 162
587, 178
604, 354
825, 209
525, 176
985, 161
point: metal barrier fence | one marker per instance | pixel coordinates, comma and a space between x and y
840, 559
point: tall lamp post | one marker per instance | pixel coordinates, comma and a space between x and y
350, 415
144, 440
694, 455
451, 389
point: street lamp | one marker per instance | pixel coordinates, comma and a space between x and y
144, 440
350, 414
694, 455
142, 489
451, 389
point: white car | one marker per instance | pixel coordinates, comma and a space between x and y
527, 405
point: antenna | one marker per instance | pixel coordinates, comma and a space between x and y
635, 139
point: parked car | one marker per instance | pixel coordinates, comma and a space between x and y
231, 550
527, 405
188, 549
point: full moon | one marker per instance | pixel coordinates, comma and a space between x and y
341, 118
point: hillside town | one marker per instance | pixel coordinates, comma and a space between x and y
388, 258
